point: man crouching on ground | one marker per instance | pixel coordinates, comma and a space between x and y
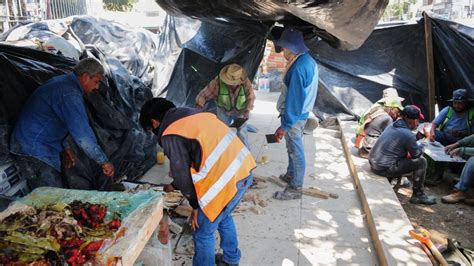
211, 167
396, 154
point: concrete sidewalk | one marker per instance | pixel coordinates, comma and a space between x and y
310, 231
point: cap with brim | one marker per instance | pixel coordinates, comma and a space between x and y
460, 95
292, 40
412, 112
233, 74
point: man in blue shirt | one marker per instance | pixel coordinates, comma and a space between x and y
53, 111
453, 122
295, 103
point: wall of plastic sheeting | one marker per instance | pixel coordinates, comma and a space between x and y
216, 44
350, 81
453, 46
113, 110
345, 24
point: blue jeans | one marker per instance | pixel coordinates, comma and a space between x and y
296, 161
466, 175
445, 138
228, 119
203, 237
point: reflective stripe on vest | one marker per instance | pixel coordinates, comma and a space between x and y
224, 179
224, 160
469, 117
212, 159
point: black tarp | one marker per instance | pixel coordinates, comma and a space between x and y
350, 81
345, 24
453, 46
216, 44
113, 110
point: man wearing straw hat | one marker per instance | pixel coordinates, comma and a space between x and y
233, 93
389, 95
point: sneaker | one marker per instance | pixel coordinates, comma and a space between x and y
455, 197
288, 194
422, 199
285, 178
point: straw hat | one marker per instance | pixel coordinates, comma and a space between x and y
233, 74
389, 94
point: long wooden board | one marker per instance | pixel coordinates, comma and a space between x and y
140, 225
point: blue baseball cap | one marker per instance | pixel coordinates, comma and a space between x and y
292, 40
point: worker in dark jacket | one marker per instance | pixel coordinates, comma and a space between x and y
396, 153
212, 168
53, 111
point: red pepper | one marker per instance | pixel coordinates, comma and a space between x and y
115, 224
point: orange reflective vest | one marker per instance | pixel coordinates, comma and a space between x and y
225, 160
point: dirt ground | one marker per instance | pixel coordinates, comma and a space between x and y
455, 221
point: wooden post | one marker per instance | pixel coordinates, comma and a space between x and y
430, 67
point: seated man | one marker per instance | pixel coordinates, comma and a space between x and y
463, 148
388, 95
53, 111
449, 126
234, 96
453, 122
396, 153
379, 121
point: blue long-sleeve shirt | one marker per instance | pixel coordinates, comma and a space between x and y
53, 111
301, 82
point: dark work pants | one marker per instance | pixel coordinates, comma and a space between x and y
38, 173
414, 167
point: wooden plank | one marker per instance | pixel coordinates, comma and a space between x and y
430, 67
374, 235
140, 225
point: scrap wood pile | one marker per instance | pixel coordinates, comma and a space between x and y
57, 234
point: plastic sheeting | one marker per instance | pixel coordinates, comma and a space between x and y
216, 44
453, 46
136, 49
351, 81
113, 111
394, 57
345, 24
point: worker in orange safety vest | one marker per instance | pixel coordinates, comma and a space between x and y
211, 167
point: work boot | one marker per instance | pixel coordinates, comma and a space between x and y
289, 193
285, 178
219, 258
455, 197
422, 198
